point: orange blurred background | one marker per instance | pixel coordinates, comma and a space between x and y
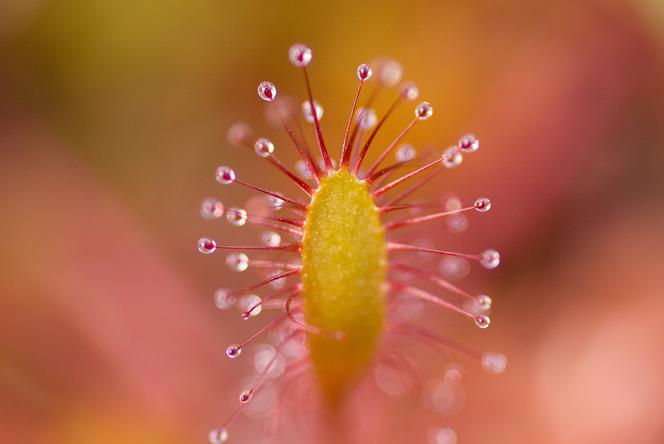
113, 117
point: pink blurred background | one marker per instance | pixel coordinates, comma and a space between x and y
113, 116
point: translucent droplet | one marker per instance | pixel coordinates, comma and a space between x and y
233, 351
238, 134
299, 55
457, 223
211, 208
225, 175
308, 115
452, 203
303, 168
482, 321
443, 435
452, 157
454, 268
389, 72
264, 147
483, 302
271, 238
246, 396
366, 117
267, 91
409, 91
237, 261
423, 111
469, 143
274, 202
405, 153
364, 72
236, 216
206, 245
490, 259
223, 299
264, 356
483, 204
248, 302
494, 363
218, 435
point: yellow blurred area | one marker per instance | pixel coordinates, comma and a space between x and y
113, 116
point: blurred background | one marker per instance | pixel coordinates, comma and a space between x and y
113, 116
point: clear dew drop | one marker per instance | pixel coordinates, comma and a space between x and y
238, 134
405, 153
410, 91
248, 302
482, 321
233, 351
218, 435
468, 143
267, 91
423, 111
454, 268
457, 223
246, 396
224, 175
206, 245
483, 302
494, 363
236, 216
443, 435
223, 299
271, 238
452, 157
389, 73
490, 259
303, 168
237, 262
482, 204
274, 202
300, 55
211, 208
366, 117
364, 72
263, 147
308, 114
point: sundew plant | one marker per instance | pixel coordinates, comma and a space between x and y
334, 262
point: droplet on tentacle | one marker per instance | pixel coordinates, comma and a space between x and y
483, 204
366, 117
451, 157
454, 268
490, 259
409, 91
237, 261
494, 363
271, 238
246, 396
483, 302
482, 321
457, 223
211, 208
238, 134
264, 356
233, 351
248, 302
300, 55
364, 72
405, 153
267, 91
423, 111
469, 143
206, 245
443, 435
263, 147
308, 114
223, 299
274, 202
389, 71
225, 175
236, 216
218, 435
